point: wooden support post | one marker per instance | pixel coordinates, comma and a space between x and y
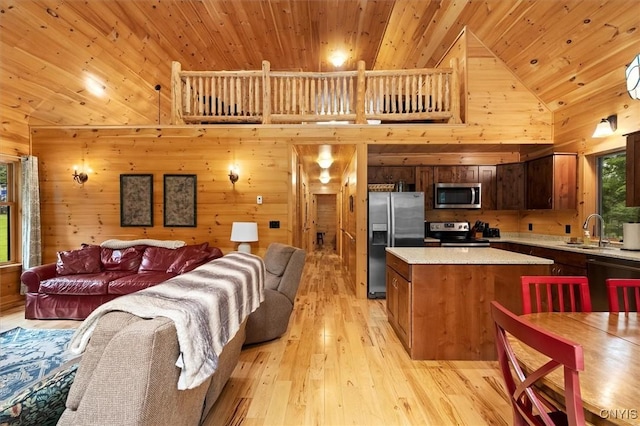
455, 93
266, 96
176, 94
360, 94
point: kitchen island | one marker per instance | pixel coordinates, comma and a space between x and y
438, 298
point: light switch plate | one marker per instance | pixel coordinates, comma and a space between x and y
259, 199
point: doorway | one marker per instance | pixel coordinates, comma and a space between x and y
326, 221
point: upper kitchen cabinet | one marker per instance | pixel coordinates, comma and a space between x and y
510, 186
424, 183
487, 177
455, 174
633, 169
391, 174
551, 182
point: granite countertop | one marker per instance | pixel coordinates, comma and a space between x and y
558, 243
464, 256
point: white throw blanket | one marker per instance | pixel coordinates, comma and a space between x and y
207, 305
121, 244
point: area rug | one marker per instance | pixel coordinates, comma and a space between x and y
36, 372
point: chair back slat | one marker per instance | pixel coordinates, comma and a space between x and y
555, 293
627, 289
529, 406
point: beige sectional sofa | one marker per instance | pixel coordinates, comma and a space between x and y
107, 391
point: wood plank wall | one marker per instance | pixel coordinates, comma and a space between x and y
73, 214
10, 287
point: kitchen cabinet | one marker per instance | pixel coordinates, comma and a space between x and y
391, 174
551, 182
398, 299
633, 169
455, 174
564, 262
487, 177
424, 183
438, 302
510, 189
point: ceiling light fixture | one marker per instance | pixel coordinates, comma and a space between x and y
324, 176
606, 127
95, 86
338, 58
325, 159
633, 78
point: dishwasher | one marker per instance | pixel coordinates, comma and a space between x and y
601, 268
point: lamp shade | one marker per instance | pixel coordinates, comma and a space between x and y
244, 233
606, 127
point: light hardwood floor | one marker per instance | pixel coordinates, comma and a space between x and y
340, 363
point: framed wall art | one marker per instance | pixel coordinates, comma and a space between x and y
180, 200
136, 200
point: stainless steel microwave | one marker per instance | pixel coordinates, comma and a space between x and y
458, 195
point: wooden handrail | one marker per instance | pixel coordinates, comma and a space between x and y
265, 96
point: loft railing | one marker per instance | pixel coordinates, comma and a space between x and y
265, 96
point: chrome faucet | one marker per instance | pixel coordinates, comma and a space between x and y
585, 226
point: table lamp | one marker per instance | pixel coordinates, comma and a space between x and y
244, 233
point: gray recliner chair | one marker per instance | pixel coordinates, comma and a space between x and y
283, 264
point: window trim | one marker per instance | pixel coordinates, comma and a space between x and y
597, 168
14, 216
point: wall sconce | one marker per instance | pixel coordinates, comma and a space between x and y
81, 177
244, 233
233, 174
606, 127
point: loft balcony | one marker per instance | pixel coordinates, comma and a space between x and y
268, 97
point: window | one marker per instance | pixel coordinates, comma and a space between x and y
612, 190
8, 214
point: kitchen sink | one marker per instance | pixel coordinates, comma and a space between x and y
589, 246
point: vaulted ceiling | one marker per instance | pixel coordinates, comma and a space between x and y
563, 51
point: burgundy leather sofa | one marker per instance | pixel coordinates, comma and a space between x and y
83, 279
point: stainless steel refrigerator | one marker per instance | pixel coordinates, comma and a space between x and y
396, 219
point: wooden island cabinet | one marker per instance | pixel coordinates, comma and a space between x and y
438, 298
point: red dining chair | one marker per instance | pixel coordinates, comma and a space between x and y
549, 293
529, 406
623, 288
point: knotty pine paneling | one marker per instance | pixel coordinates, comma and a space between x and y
459, 52
574, 125
497, 98
10, 287
551, 222
327, 218
73, 214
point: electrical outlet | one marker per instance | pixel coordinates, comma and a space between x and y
259, 199
567, 229
531, 227
274, 224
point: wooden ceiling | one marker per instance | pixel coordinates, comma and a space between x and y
563, 51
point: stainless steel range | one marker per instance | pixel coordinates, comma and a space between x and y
454, 234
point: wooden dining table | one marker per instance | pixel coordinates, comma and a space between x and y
610, 382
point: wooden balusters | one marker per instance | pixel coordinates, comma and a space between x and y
286, 97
